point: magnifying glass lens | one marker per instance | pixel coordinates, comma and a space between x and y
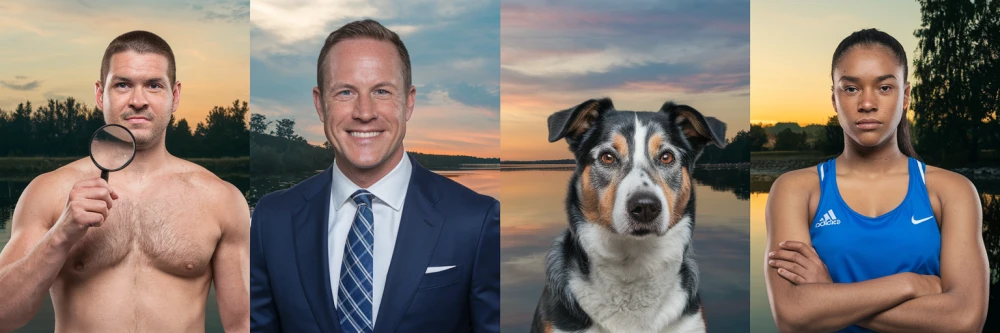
112, 148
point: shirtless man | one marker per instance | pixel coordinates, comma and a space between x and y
137, 255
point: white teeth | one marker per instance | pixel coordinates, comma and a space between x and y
365, 134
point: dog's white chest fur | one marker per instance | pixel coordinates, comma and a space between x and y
635, 286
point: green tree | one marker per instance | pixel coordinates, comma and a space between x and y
180, 141
285, 128
789, 140
757, 137
956, 93
225, 132
832, 140
258, 124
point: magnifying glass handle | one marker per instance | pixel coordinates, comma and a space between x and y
104, 175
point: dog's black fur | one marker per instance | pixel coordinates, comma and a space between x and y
604, 142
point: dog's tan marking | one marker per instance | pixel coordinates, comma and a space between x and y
678, 199
654, 146
595, 205
620, 144
607, 205
585, 119
547, 327
589, 202
668, 193
683, 196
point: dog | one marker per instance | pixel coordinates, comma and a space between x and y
625, 264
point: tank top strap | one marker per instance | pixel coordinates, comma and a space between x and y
826, 172
918, 181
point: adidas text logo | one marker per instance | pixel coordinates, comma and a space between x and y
828, 219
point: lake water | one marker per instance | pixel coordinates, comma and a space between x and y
760, 310
533, 214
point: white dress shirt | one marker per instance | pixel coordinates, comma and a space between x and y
387, 208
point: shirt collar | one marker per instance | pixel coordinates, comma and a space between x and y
390, 190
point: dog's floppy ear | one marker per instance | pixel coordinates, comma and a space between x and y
573, 122
699, 130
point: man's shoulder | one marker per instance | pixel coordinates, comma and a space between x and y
63, 178
202, 180
39, 194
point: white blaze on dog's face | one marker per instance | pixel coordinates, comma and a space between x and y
639, 175
633, 175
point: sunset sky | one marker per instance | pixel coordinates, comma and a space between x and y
53, 48
556, 55
793, 44
454, 48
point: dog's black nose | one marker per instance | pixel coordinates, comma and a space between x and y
644, 207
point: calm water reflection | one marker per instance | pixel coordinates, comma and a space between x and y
760, 310
533, 214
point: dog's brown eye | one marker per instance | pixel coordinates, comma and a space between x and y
666, 158
607, 158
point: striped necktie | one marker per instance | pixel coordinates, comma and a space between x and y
355, 293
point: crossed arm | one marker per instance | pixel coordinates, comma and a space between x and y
804, 299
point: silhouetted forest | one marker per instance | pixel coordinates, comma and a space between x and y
956, 93
64, 128
281, 150
737, 150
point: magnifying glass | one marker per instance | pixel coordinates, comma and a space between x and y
112, 148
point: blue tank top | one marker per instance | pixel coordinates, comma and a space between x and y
856, 247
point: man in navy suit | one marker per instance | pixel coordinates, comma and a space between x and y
376, 243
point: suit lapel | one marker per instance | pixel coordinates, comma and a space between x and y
311, 251
419, 229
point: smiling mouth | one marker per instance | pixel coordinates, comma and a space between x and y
135, 120
364, 135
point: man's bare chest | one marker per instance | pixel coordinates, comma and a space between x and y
177, 237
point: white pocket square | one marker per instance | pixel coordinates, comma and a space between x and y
435, 269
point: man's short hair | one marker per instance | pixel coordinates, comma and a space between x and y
139, 42
370, 29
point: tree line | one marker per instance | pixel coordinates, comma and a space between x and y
829, 139
735, 151
64, 128
281, 150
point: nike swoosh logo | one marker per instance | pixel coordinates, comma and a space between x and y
916, 221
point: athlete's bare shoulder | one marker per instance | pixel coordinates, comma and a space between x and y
800, 181
946, 185
946, 180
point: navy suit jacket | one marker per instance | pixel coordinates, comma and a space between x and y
443, 224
